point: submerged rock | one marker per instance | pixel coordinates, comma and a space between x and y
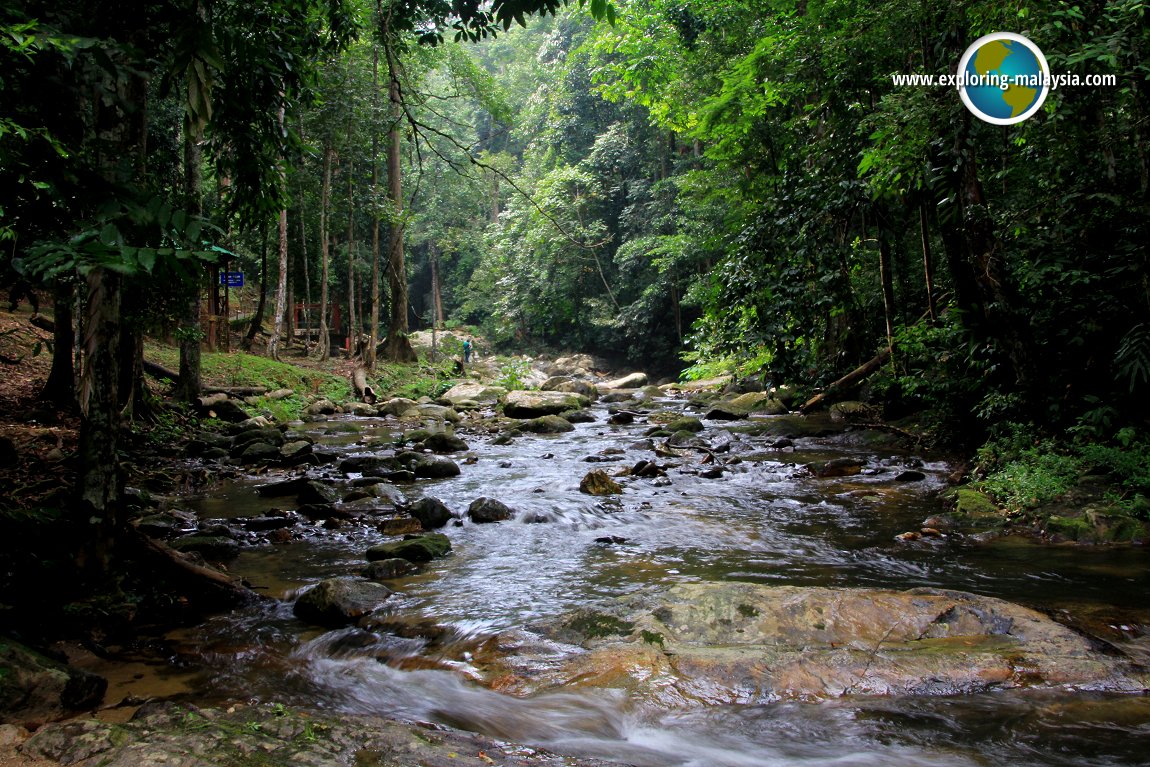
723, 643
389, 569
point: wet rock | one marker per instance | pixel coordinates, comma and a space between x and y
686, 423
910, 475
167, 524
317, 511
431, 512
719, 643
268, 522
836, 467
617, 397
425, 466
35, 688
598, 483
631, 381
213, 547
413, 548
714, 472
361, 408
183, 735
621, 418
339, 601
428, 410
486, 509
284, 488
315, 492
547, 424
533, 404
293, 451
579, 416
389, 569
441, 442
611, 540
259, 452
399, 526
474, 392
369, 465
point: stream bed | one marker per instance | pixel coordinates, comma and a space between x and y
763, 520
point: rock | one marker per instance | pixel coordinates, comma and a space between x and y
362, 409
223, 408
413, 548
315, 492
686, 423
292, 451
431, 512
489, 510
167, 524
425, 466
532, 404
852, 411
836, 467
339, 601
35, 688
616, 397
322, 407
570, 386
598, 483
388, 569
437, 412
267, 522
399, 526
441, 442
474, 392
548, 424
9, 455
632, 381
214, 547
370, 465
621, 418
726, 643
281, 489
579, 416
258, 452
743, 405
576, 364
279, 394
274, 735
910, 475
397, 406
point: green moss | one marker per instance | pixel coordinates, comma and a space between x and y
971, 503
652, 637
747, 611
1071, 528
597, 625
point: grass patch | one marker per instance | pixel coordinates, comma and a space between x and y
235, 369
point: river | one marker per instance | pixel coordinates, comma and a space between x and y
763, 520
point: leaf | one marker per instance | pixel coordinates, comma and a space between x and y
147, 258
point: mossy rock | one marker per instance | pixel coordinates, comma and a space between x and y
598, 625
973, 504
413, 548
1069, 529
687, 424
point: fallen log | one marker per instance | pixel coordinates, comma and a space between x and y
159, 371
363, 390
206, 587
236, 391
851, 378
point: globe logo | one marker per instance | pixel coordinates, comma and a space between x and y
1003, 78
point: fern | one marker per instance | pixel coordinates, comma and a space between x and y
1133, 357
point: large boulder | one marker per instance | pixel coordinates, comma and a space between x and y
576, 364
723, 643
474, 392
339, 601
532, 404
442, 442
413, 548
219, 406
632, 381
489, 510
35, 688
425, 466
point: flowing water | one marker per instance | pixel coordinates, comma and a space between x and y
765, 520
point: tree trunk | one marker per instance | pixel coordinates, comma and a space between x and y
60, 388
352, 317
306, 283
281, 288
258, 318
190, 332
436, 286
324, 252
927, 262
100, 481
397, 346
887, 280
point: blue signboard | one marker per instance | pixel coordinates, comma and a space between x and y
232, 279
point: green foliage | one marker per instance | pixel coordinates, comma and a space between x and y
513, 372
